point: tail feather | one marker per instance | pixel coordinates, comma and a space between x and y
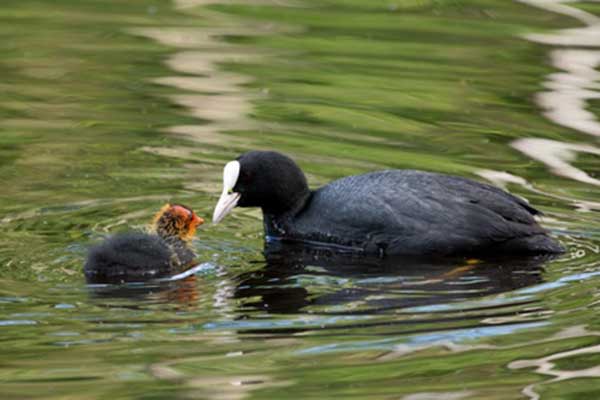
535, 244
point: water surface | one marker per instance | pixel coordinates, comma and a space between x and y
110, 109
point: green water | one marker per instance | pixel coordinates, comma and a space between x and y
111, 108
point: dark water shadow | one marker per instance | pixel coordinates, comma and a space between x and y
140, 295
357, 285
300, 289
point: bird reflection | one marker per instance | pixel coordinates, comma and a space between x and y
298, 279
319, 280
183, 293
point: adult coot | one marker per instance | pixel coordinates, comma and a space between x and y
139, 256
394, 212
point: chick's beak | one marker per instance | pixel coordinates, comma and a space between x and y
226, 203
196, 220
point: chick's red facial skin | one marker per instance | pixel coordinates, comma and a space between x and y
186, 214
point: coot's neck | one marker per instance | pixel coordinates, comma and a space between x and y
279, 223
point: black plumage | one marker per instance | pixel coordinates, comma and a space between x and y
140, 256
399, 212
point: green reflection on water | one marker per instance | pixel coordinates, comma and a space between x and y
111, 108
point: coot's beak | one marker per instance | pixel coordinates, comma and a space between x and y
226, 203
229, 198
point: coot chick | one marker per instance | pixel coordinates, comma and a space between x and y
393, 212
139, 256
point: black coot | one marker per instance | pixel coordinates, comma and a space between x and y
395, 212
139, 256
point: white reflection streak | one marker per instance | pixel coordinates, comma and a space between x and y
183, 4
558, 155
214, 96
565, 102
502, 179
559, 7
547, 366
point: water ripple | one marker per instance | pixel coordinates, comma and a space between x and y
566, 100
15, 322
424, 340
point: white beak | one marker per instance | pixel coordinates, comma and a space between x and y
229, 198
226, 203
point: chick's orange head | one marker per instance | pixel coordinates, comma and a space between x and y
177, 219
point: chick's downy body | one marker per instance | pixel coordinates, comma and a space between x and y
139, 256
